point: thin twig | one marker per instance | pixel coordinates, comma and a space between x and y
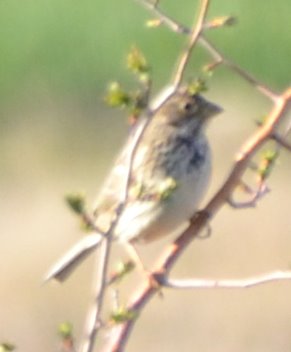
217, 55
194, 36
94, 315
250, 148
90, 223
227, 283
221, 59
252, 202
165, 19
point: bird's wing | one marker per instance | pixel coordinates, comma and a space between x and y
113, 189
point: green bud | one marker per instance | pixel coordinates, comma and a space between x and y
116, 96
123, 268
137, 63
197, 86
121, 315
261, 120
267, 163
153, 23
76, 202
209, 68
222, 21
65, 330
166, 188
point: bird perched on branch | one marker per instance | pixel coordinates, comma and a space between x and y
171, 166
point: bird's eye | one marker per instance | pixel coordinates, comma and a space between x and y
188, 106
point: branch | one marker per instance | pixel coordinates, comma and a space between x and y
226, 283
165, 19
174, 25
93, 323
217, 55
194, 36
252, 202
221, 59
171, 254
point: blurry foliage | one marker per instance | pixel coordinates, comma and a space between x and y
73, 47
6, 347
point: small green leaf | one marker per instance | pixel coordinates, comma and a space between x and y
153, 23
167, 188
65, 330
267, 163
261, 120
222, 21
121, 315
123, 268
137, 190
76, 202
197, 86
137, 63
116, 96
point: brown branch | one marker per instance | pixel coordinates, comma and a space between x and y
93, 323
221, 59
170, 255
255, 197
217, 55
194, 36
164, 18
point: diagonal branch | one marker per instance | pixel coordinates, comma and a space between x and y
221, 59
171, 254
217, 55
194, 36
174, 25
165, 19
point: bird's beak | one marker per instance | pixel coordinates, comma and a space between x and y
213, 109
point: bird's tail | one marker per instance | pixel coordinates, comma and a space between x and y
64, 267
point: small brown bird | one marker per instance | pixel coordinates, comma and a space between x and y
170, 174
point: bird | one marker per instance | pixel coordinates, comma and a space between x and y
169, 175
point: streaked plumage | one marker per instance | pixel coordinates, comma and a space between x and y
173, 152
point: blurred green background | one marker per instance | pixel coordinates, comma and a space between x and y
56, 136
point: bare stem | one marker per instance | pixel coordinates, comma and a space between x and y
227, 283
194, 36
219, 57
94, 315
165, 19
255, 197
